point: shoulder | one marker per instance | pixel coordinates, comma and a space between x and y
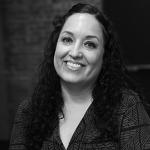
130, 99
134, 122
22, 117
25, 105
24, 110
132, 113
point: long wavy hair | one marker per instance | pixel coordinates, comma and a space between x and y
47, 100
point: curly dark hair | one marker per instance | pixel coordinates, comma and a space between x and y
47, 100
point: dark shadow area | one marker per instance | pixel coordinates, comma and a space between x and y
131, 20
4, 145
141, 78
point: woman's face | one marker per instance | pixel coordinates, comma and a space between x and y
79, 50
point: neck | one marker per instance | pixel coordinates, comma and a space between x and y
73, 94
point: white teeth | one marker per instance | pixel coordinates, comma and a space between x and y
73, 66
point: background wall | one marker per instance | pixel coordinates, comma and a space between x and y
131, 19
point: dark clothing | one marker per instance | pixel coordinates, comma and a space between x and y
134, 127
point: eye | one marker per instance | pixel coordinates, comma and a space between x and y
90, 44
67, 40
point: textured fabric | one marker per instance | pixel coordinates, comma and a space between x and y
134, 127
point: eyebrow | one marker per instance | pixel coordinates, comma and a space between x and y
68, 32
92, 36
88, 36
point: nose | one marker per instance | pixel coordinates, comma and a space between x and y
75, 51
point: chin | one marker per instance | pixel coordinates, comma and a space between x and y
72, 80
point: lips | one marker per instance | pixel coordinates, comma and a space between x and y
73, 65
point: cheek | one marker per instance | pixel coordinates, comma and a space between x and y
57, 51
96, 58
100, 60
97, 65
55, 62
57, 56
60, 51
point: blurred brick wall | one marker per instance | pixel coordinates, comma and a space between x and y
3, 88
26, 26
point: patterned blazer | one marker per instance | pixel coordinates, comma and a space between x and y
134, 129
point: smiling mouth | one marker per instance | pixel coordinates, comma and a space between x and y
73, 65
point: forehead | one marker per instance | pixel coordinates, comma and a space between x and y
83, 23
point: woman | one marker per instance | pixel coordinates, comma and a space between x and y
84, 98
